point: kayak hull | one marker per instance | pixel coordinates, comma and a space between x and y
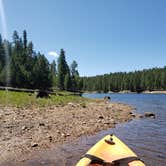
110, 149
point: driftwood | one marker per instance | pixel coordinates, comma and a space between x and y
27, 90
39, 92
17, 89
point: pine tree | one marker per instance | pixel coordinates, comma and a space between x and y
41, 72
25, 39
74, 71
30, 51
16, 42
74, 75
53, 73
63, 69
21, 64
67, 82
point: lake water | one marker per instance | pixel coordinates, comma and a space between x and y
147, 137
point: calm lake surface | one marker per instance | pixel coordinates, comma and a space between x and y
147, 137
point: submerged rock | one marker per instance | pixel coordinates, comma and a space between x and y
107, 98
133, 115
140, 116
149, 114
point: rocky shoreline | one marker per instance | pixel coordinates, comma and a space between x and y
26, 130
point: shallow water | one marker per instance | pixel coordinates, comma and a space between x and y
147, 137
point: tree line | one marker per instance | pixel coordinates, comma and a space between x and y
30, 69
137, 81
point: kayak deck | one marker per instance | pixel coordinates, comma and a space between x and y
110, 149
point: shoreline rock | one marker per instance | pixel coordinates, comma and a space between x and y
149, 114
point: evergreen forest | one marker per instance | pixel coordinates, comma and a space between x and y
137, 81
29, 69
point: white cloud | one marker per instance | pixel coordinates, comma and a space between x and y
53, 53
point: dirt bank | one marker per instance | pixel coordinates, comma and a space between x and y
26, 130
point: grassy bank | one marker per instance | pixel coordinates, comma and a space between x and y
30, 124
24, 99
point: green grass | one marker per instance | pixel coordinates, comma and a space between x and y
23, 99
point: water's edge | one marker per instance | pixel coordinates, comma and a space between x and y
145, 136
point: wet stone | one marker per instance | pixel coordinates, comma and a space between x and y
133, 115
100, 117
23, 128
140, 116
112, 121
41, 124
149, 114
107, 123
34, 144
50, 138
63, 135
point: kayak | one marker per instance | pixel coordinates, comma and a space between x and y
110, 151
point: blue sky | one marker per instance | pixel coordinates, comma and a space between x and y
101, 35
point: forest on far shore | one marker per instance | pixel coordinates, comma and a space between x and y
29, 69
137, 81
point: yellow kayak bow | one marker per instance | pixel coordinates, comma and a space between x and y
110, 151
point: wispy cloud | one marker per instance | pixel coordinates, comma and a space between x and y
53, 53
